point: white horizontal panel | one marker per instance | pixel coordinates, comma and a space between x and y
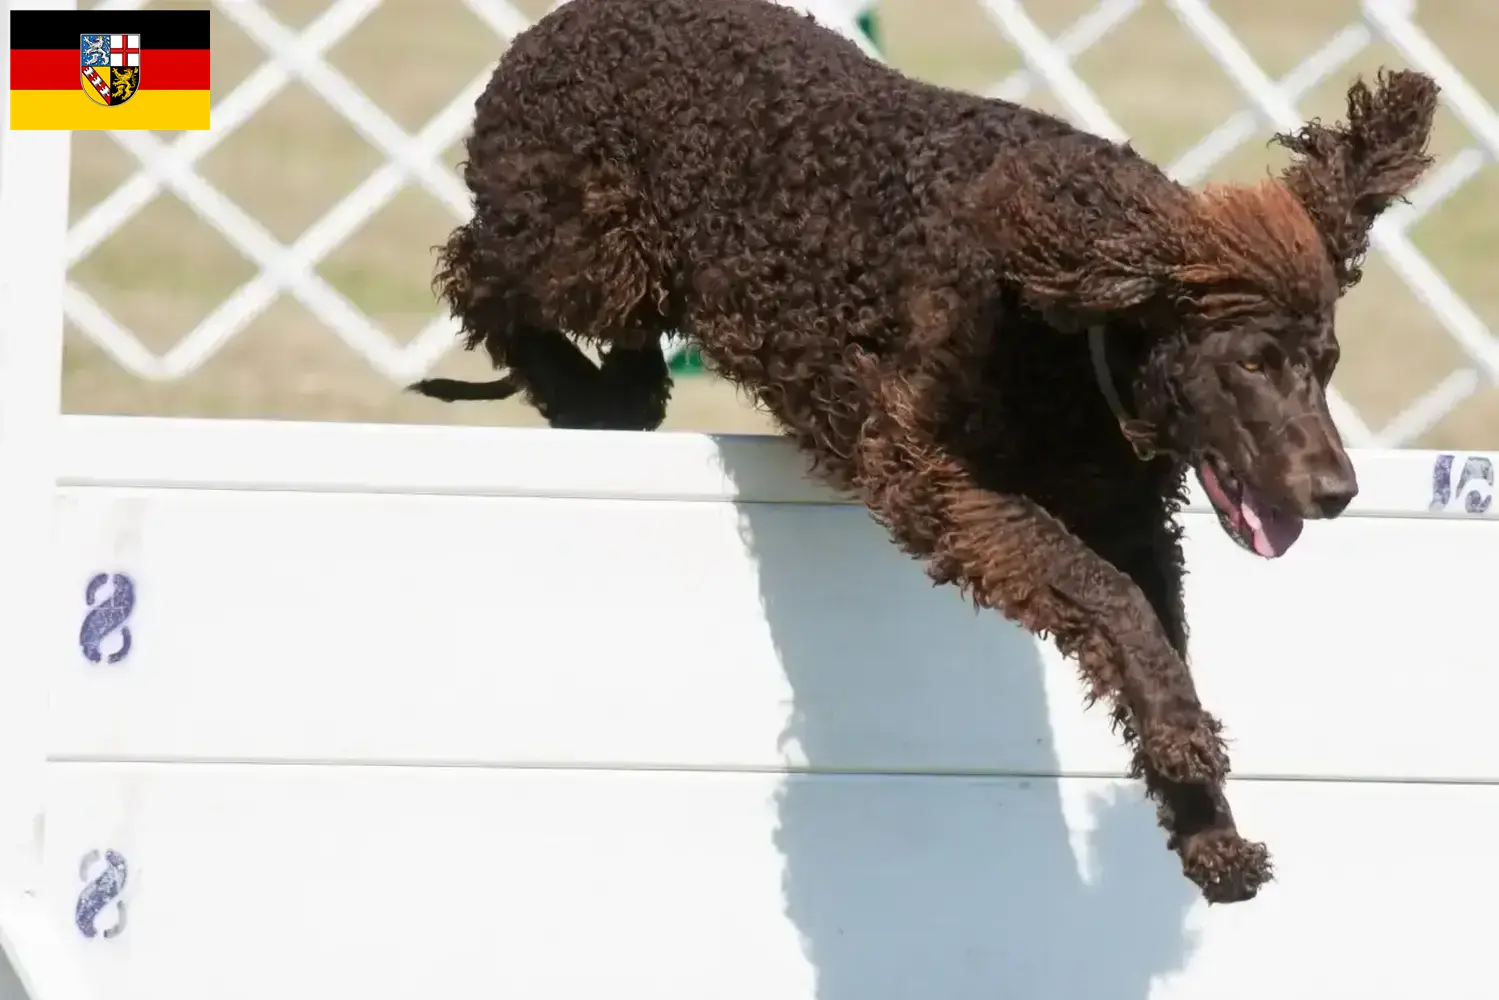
525, 630
411, 458
1365, 651
311, 882
404, 458
530, 630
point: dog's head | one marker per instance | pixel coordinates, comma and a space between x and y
1211, 313
1235, 367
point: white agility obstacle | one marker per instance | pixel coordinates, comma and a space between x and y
313, 711
349, 710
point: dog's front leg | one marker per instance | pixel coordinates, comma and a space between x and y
1140, 540
1008, 553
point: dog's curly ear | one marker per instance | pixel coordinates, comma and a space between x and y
1345, 175
1077, 226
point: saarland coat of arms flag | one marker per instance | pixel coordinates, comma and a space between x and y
86, 70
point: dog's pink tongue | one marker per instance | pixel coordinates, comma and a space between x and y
1273, 531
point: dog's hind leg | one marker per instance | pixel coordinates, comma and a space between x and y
627, 392
558, 243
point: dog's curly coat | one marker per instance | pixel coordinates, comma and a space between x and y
950, 304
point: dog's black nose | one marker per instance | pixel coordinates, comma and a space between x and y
1331, 494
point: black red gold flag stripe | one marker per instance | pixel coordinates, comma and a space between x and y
84, 70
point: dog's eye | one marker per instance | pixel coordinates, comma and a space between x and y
1252, 365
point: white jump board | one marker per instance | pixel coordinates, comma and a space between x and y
562, 715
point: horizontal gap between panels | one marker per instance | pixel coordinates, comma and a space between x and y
706, 769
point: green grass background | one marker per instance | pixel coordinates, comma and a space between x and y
165, 270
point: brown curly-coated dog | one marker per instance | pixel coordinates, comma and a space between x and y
1009, 338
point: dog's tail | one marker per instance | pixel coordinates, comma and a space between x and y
451, 390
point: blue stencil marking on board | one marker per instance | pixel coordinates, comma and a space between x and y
100, 892
1477, 471
108, 616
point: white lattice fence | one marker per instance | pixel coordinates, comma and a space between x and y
414, 158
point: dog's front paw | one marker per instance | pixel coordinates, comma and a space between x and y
1225, 866
1189, 750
